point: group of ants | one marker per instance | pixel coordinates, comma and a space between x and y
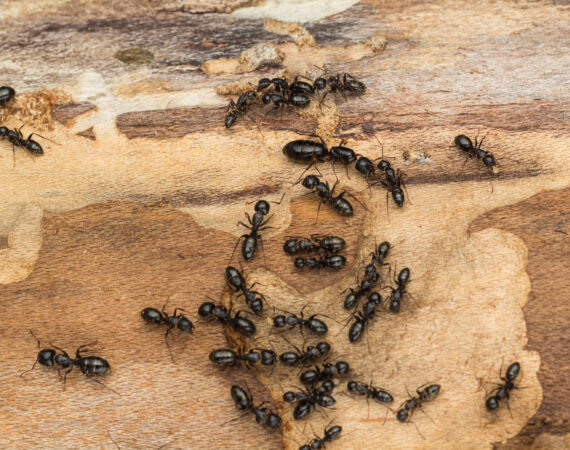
319, 381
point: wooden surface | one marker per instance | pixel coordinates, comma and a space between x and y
139, 202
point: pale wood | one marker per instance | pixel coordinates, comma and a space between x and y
140, 201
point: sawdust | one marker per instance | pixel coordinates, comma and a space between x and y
34, 110
295, 30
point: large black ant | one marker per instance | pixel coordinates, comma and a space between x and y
398, 293
371, 276
317, 443
209, 310
297, 99
244, 401
378, 394
307, 355
503, 391
340, 83
176, 320
256, 225
253, 299
280, 84
475, 151
90, 366
307, 399
426, 394
326, 195
315, 325
328, 371
330, 244
330, 261
227, 357
362, 318
6, 94
16, 138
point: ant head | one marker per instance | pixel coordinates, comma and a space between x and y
384, 165
262, 206
489, 160
310, 181
384, 248
47, 357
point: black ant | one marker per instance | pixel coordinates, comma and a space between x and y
426, 394
244, 401
280, 84
362, 319
307, 399
176, 320
331, 434
317, 326
234, 109
502, 392
326, 195
351, 299
90, 366
227, 357
312, 376
256, 225
307, 355
475, 151
253, 299
6, 94
305, 150
398, 293
297, 99
380, 254
16, 138
330, 244
337, 84
209, 310
378, 394
330, 261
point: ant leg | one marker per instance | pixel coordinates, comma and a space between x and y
387, 210
65, 376
43, 137
405, 189
418, 430
102, 384
14, 154
318, 210
481, 142
235, 247
263, 251
167, 345
79, 349
29, 370
164, 306
350, 195
334, 170
304, 171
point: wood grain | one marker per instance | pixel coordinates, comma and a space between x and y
135, 206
